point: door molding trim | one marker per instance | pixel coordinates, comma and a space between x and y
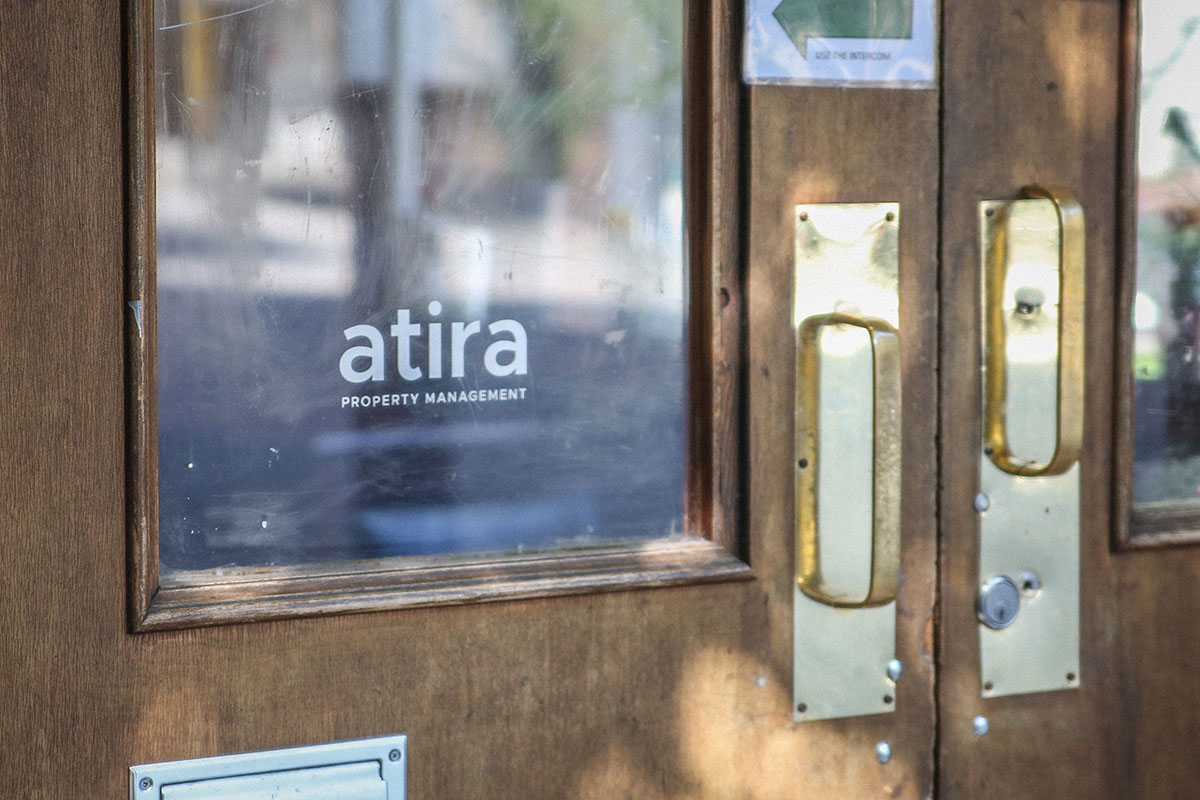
714, 491
256, 594
1133, 528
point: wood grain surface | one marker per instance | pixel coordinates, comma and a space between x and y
680, 692
673, 692
822, 145
1032, 94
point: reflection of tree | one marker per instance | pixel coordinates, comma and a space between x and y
1151, 76
577, 61
1183, 352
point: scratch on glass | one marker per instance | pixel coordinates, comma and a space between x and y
217, 17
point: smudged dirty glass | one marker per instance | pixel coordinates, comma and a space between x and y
420, 277
1166, 312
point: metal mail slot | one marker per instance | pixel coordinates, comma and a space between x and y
344, 782
365, 769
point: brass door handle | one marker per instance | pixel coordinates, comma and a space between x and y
999, 311
1028, 502
886, 446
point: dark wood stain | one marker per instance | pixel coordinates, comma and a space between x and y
681, 691
713, 494
822, 145
1119, 735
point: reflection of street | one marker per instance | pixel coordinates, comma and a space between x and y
1166, 358
1166, 361
594, 453
310, 180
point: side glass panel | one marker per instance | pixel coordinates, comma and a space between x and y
420, 278
1166, 313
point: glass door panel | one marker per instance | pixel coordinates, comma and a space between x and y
420, 278
1166, 305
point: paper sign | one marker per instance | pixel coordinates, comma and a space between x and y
841, 42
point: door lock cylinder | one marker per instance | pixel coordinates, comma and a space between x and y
998, 603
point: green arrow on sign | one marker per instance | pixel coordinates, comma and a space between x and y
844, 19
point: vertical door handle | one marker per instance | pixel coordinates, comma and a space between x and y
886, 442
1028, 502
845, 459
998, 314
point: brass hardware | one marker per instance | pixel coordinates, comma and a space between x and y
1010, 303
885, 529
1032, 526
1032, 318
845, 314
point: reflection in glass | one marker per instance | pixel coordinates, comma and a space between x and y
420, 277
1166, 313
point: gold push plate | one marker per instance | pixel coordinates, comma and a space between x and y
846, 457
1032, 336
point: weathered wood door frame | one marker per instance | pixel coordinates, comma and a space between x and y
1029, 94
667, 692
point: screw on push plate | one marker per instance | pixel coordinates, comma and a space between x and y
981, 726
894, 670
145, 783
1029, 582
1029, 300
394, 755
982, 502
998, 602
883, 751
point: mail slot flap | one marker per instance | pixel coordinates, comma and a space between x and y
360, 781
361, 769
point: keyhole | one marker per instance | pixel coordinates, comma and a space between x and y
998, 602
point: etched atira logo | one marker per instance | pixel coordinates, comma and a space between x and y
506, 354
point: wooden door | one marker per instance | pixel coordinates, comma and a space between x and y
1048, 93
656, 672
679, 686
